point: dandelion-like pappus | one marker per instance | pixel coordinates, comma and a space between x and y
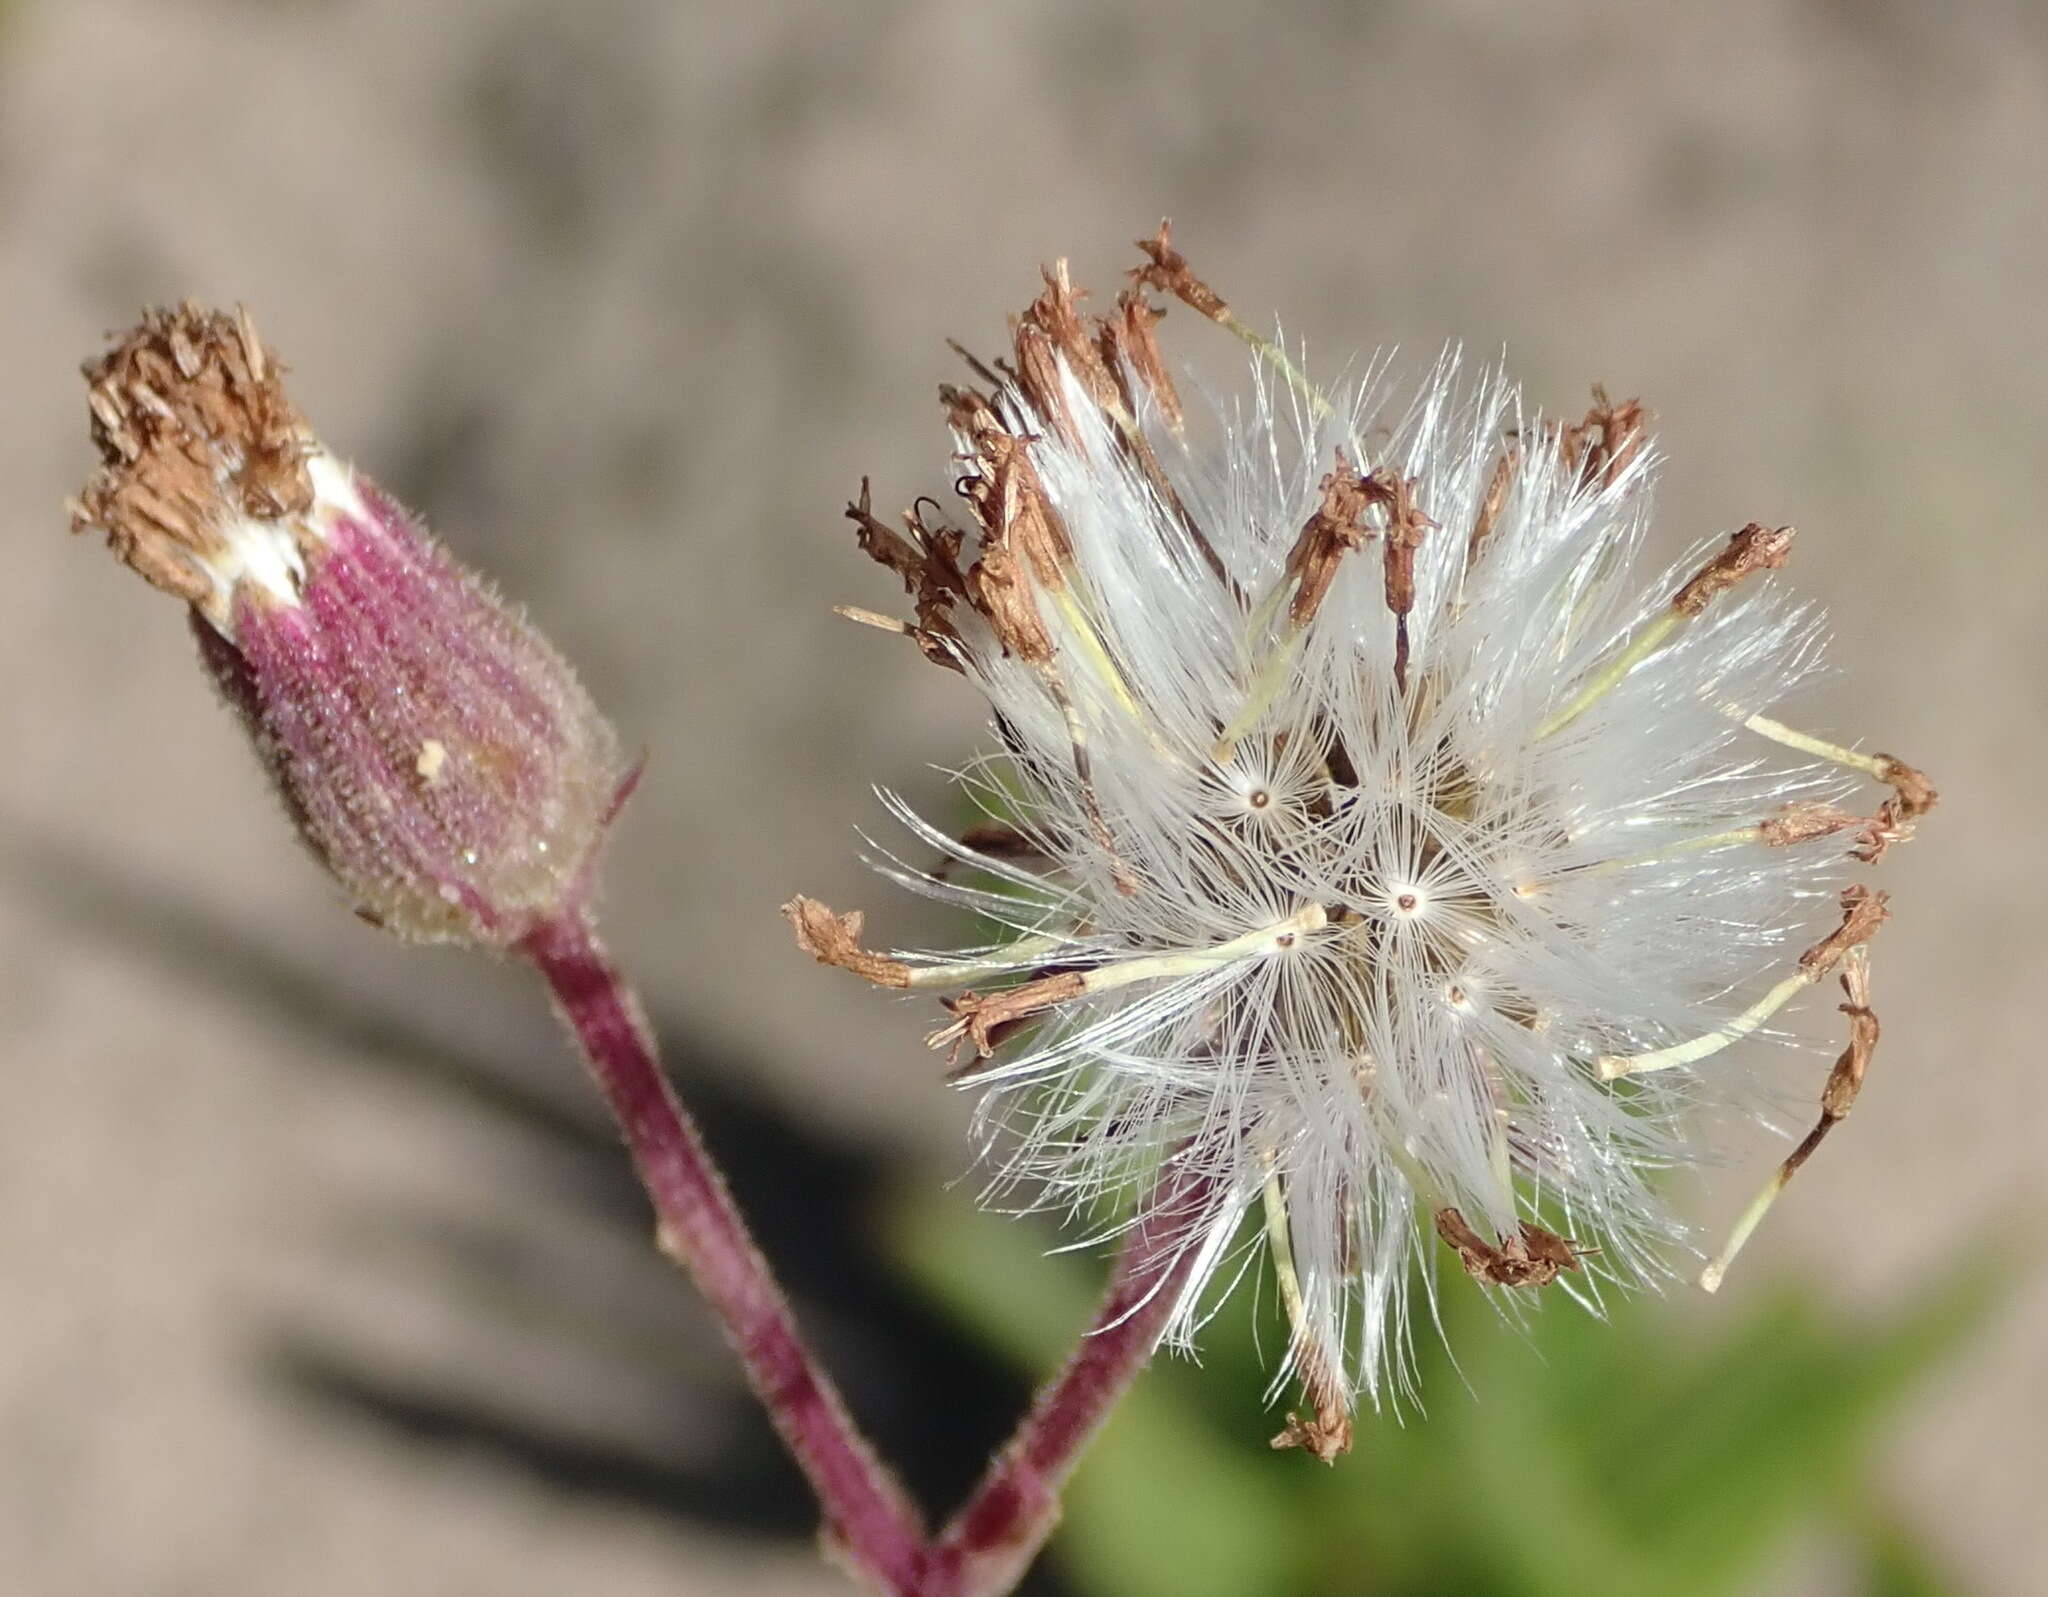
1378, 858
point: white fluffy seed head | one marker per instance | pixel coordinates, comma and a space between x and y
1516, 875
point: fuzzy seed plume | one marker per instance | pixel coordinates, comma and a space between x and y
1371, 832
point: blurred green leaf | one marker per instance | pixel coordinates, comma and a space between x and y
1565, 1456
1894, 1563
1764, 1428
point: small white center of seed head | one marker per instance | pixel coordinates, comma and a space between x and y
1408, 901
1259, 797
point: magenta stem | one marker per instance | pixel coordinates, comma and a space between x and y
990, 1543
867, 1515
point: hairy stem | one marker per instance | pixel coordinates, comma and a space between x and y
993, 1539
868, 1519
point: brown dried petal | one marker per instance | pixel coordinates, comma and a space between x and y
1337, 527
1799, 823
1405, 527
1845, 1081
1533, 1258
1128, 342
1003, 490
984, 1019
882, 544
1755, 548
1916, 794
968, 411
835, 940
1168, 272
1493, 503
1601, 447
1000, 593
1326, 1437
1026, 521
928, 564
1038, 374
1051, 330
1863, 911
1888, 826
193, 425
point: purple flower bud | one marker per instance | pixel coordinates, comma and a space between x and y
436, 753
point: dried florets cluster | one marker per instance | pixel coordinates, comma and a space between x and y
1360, 819
437, 754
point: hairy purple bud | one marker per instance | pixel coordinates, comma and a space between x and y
437, 754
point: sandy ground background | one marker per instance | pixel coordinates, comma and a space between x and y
626, 297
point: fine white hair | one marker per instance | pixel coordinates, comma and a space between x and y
1345, 925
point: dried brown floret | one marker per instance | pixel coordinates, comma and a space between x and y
984, 1019
1009, 503
1916, 793
1168, 272
1000, 593
1798, 823
1533, 1257
928, 562
834, 940
882, 544
1755, 548
1326, 1437
193, 424
1050, 331
1337, 527
1405, 527
1845, 1080
1492, 503
1888, 826
1129, 344
1601, 447
1863, 911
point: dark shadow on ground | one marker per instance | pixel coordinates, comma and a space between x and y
932, 1401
